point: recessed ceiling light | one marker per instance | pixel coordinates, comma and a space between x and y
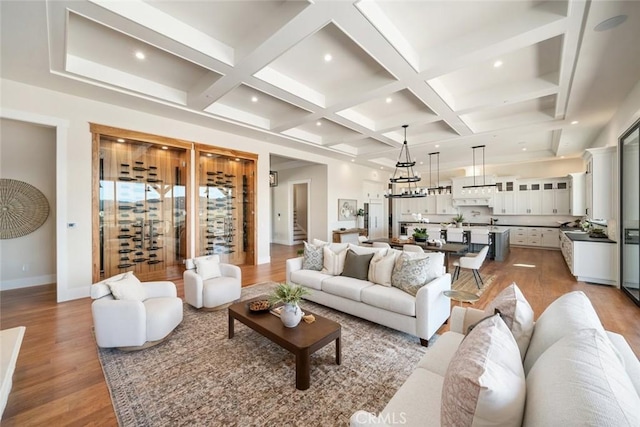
381, 167
562, 157
353, 160
164, 147
389, 100
209, 155
437, 145
610, 23
524, 148
120, 140
139, 55
254, 99
422, 163
318, 123
497, 64
328, 57
237, 159
575, 122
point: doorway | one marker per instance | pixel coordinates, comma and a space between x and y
300, 218
630, 213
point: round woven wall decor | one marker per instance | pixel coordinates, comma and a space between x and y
23, 208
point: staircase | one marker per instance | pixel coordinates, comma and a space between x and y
299, 234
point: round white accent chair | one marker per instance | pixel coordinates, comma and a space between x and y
210, 284
130, 315
472, 262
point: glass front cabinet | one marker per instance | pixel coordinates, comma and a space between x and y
142, 204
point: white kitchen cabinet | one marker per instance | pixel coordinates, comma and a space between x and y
372, 190
529, 198
550, 237
599, 182
518, 236
577, 190
444, 204
589, 261
504, 199
555, 198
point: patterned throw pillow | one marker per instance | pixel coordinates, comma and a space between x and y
484, 383
312, 257
516, 313
410, 273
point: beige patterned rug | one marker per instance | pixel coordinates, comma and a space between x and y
467, 283
198, 377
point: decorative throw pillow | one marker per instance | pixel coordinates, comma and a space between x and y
101, 289
356, 266
580, 381
381, 268
128, 288
569, 313
410, 273
516, 313
208, 268
312, 258
484, 383
333, 263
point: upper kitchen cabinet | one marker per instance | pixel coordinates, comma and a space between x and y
504, 199
555, 197
577, 194
599, 180
529, 198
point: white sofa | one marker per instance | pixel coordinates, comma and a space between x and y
421, 315
561, 387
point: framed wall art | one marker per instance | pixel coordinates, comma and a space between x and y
347, 209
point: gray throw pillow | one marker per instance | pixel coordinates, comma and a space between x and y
312, 259
410, 274
357, 266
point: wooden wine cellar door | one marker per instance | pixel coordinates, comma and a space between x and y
226, 204
142, 185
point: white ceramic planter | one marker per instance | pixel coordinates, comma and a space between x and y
291, 315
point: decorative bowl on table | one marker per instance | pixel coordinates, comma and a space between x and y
259, 306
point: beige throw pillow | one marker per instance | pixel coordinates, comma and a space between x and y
333, 263
128, 288
516, 313
484, 383
381, 268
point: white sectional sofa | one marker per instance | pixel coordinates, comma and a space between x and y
421, 315
573, 373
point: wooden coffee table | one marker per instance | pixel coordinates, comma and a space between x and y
303, 340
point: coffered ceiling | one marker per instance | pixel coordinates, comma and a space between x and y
341, 77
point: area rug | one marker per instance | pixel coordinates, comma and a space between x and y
200, 377
467, 283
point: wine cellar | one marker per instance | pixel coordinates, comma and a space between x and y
142, 204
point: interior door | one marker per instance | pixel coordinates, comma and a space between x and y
630, 213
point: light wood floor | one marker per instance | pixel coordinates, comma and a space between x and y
59, 380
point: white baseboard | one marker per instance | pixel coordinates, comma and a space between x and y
27, 282
281, 242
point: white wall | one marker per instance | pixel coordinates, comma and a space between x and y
28, 153
542, 169
74, 192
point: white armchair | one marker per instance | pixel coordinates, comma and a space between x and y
472, 262
211, 291
134, 324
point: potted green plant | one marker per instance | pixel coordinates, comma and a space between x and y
290, 295
458, 219
420, 234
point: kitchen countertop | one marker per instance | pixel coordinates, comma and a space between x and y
580, 236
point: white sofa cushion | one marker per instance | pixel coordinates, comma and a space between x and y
484, 383
346, 287
101, 289
569, 313
128, 288
333, 262
579, 381
516, 313
629, 359
309, 278
390, 299
381, 268
362, 250
439, 355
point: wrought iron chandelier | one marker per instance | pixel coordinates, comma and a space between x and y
484, 187
438, 189
409, 177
